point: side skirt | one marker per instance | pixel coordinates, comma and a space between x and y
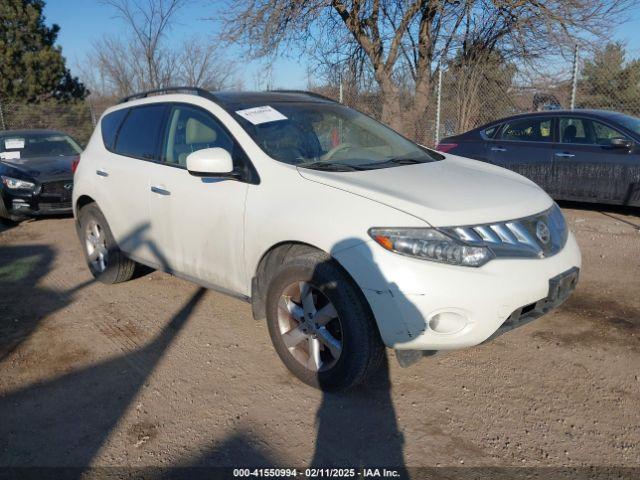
202, 283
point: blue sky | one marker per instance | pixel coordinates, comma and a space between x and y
84, 21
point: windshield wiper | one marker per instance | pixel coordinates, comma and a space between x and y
394, 161
406, 161
330, 166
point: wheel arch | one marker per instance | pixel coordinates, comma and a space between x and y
82, 201
271, 259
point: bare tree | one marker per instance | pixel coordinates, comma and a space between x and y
407, 41
477, 89
145, 59
149, 21
263, 76
201, 65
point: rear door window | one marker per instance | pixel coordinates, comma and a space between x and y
528, 130
109, 126
140, 132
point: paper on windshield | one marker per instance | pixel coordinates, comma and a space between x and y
258, 115
10, 155
11, 143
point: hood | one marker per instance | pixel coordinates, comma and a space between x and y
450, 192
43, 168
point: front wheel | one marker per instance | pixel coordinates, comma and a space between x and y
105, 260
320, 323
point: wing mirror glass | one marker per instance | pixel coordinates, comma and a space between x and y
210, 162
621, 143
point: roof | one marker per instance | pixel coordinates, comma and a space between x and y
234, 97
546, 113
269, 96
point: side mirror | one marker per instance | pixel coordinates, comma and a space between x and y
210, 162
621, 143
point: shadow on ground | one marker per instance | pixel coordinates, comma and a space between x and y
64, 421
23, 304
621, 213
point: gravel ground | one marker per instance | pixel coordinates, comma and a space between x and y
158, 372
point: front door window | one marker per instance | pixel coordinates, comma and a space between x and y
189, 130
584, 131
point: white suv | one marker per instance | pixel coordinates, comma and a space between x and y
345, 235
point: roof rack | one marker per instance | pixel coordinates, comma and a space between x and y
201, 92
313, 94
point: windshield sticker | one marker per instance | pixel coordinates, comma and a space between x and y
11, 143
258, 115
10, 155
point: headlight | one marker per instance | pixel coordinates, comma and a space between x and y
430, 244
16, 183
537, 236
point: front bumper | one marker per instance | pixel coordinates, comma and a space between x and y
40, 202
41, 209
407, 295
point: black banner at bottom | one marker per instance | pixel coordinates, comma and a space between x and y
214, 473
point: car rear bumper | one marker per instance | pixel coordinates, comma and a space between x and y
422, 305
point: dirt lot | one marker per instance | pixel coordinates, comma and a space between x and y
159, 372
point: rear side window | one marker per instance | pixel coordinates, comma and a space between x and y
140, 132
109, 126
528, 130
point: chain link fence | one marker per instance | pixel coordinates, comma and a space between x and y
463, 96
75, 118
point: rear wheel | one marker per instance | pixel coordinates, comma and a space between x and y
320, 323
105, 260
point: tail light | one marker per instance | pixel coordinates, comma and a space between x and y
74, 164
445, 147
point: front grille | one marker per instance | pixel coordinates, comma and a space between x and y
62, 188
541, 235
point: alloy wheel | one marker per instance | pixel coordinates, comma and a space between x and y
310, 326
95, 243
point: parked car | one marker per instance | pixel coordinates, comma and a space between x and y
36, 173
581, 155
346, 236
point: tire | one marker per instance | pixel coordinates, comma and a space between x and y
354, 327
97, 241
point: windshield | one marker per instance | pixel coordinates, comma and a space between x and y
629, 122
326, 136
34, 145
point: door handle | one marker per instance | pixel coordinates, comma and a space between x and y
498, 149
102, 173
564, 155
160, 190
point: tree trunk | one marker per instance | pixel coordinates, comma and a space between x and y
391, 110
420, 123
